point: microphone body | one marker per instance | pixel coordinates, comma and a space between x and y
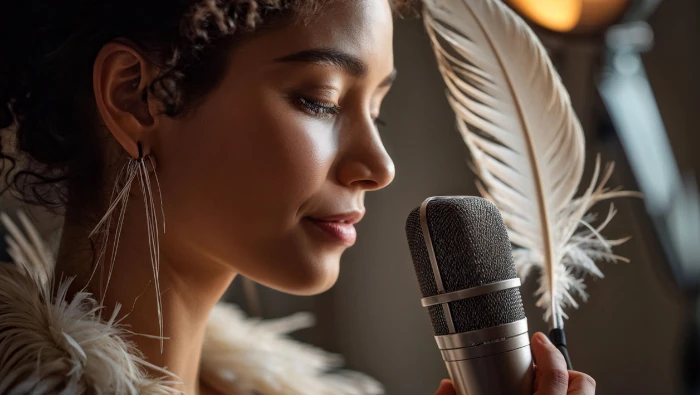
504, 367
463, 261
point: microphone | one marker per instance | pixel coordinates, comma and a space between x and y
463, 261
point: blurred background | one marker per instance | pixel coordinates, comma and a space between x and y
631, 67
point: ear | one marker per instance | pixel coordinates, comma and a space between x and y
121, 77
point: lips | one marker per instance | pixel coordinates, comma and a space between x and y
339, 228
351, 218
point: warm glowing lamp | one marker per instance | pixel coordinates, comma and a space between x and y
572, 16
557, 15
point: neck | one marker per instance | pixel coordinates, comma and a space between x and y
190, 286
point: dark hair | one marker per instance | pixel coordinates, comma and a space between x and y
47, 53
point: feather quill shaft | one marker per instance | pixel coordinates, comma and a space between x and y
526, 142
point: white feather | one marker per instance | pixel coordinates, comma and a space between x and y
526, 142
235, 359
48, 345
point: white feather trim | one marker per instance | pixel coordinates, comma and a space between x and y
51, 346
255, 357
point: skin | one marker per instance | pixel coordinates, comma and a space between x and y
243, 175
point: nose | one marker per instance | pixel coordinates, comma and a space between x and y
364, 162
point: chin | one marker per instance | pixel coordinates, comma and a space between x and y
304, 277
315, 278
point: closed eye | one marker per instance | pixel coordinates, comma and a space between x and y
319, 109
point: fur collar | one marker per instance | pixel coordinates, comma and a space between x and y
49, 346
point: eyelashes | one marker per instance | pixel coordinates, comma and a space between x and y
317, 108
325, 110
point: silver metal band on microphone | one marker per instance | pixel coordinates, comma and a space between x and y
499, 347
481, 336
470, 292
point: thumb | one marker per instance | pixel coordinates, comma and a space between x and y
551, 376
446, 388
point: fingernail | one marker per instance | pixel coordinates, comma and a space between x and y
542, 338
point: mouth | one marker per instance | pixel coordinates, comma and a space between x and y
339, 228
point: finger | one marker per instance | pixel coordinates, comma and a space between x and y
551, 375
446, 388
581, 384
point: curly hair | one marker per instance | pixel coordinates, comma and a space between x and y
46, 56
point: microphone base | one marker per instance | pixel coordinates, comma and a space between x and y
508, 373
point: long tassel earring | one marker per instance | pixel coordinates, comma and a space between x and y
132, 170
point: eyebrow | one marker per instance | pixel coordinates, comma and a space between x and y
327, 56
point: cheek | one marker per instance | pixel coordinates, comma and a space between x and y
241, 170
272, 153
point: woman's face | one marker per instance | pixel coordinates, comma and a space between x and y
269, 173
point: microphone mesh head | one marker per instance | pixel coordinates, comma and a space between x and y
472, 248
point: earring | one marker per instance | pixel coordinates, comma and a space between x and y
133, 169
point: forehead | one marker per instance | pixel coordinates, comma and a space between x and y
352, 22
362, 28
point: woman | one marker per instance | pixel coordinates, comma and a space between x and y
249, 129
